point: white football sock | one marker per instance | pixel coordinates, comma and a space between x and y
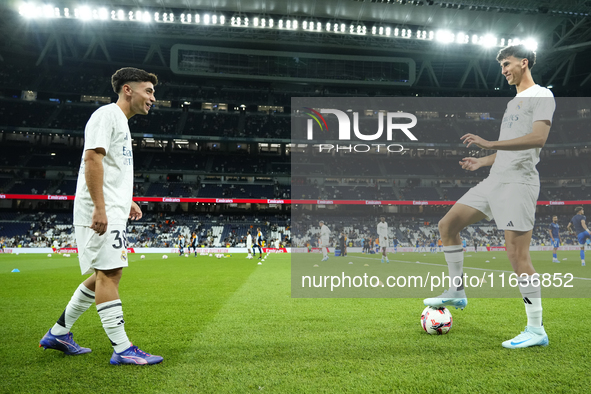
532, 297
454, 256
111, 314
81, 300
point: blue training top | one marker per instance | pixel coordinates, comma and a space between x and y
576, 221
554, 227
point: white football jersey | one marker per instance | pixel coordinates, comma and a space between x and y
107, 129
249, 241
382, 229
519, 166
324, 232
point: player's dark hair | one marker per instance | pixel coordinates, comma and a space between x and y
518, 51
578, 209
130, 74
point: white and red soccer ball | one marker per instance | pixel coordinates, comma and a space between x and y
436, 321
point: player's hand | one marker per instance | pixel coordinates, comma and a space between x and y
99, 221
470, 163
135, 213
472, 139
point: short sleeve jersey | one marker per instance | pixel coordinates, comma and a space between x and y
554, 227
382, 229
107, 129
519, 166
259, 238
576, 221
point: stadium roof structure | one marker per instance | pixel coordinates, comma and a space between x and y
429, 32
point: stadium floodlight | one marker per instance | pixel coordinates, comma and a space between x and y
206, 19
444, 36
374, 30
488, 41
263, 22
47, 11
530, 44
255, 22
103, 14
214, 19
120, 15
461, 37
27, 11
280, 25
396, 32
189, 18
294, 24
56, 13
328, 26
388, 31
319, 26
171, 17
84, 13
222, 20
66, 12
305, 25
474, 39
157, 16
138, 15
271, 22
342, 27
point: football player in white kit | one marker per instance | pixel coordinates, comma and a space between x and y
324, 240
383, 236
102, 206
249, 244
509, 194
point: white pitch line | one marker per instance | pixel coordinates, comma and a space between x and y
441, 265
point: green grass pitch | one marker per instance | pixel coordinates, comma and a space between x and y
231, 326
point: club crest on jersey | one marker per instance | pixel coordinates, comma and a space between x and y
519, 105
124, 255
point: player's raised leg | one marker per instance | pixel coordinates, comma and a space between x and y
458, 217
518, 253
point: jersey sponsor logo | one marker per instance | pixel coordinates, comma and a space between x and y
510, 224
128, 156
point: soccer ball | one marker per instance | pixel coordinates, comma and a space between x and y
143, 257
164, 257
436, 321
49, 255
186, 255
210, 255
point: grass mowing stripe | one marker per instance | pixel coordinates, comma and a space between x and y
161, 299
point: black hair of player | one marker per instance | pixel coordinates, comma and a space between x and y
131, 74
518, 51
578, 209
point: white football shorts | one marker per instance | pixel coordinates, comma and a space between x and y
511, 205
105, 252
384, 242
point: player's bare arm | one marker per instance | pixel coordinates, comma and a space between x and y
94, 172
474, 163
536, 139
135, 212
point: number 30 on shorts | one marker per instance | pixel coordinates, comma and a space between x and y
120, 239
